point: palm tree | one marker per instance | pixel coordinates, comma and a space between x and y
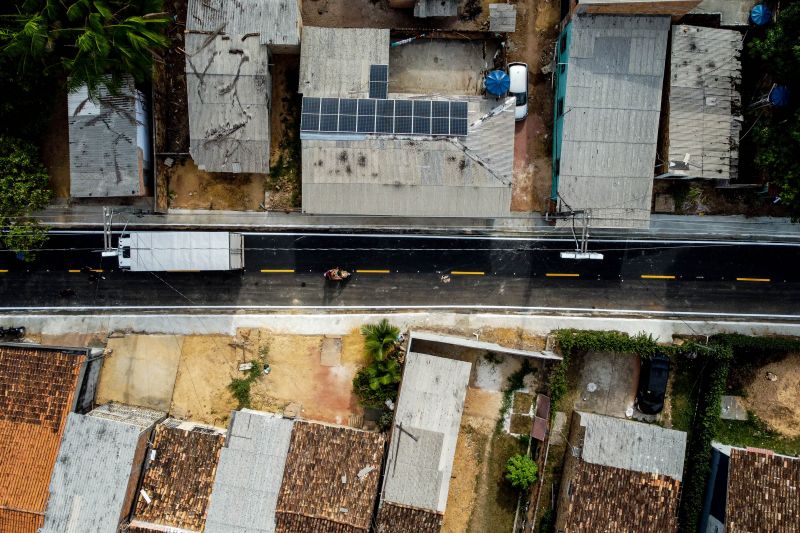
381, 339
383, 374
94, 42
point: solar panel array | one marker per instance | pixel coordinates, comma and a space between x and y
384, 117
378, 81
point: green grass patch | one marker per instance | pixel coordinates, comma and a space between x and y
240, 387
683, 398
754, 432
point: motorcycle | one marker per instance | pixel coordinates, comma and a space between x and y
12, 333
336, 274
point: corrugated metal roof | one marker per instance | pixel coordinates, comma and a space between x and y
705, 72
431, 401
277, 22
336, 61
636, 446
97, 469
416, 176
436, 8
104, 157
611, 114
249, 474
229, 89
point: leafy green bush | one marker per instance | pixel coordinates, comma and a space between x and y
521, 471
370, 396
240, 387
379, 380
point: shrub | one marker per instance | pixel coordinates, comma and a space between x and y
240, 387
379, 380
521, 471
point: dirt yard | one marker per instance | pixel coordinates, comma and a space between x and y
191, 188
776, 402
283, 183
533, 43
378, 14
55, 147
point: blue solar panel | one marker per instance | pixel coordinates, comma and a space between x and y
441, 109
366, 107
402, 108
458, 110
378, 89
386, 108
309, 122
347, 123
311, 105
330, 106
384, 124
440, 126
458, 126
366, 123
347, 106
422, 126
328, 123
402, 125
422, 108
379, 73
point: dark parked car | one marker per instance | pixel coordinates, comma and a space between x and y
652, 384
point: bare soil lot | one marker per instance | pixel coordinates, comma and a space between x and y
191, 188
378, 14
777, 402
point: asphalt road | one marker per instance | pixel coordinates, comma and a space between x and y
286, 270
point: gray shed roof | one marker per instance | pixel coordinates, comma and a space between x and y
633, 445
415, 176
336, 61
611, 112
229, 89
431, 401
249, 474
97, 469
277, 22
104, 158
705, 71
732, 13
436, 8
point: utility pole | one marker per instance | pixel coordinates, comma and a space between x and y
108, 250
582, 246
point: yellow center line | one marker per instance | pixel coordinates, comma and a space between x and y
762, 280
467, 273
277, 270
3, 271
559, 275
73, 271
96, 269
656, 276
373, 271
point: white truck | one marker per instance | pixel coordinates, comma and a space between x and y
180, 251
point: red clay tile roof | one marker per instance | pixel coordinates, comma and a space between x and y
37, 388
763, 493
180, 478
313, 496
394, 518
606, 499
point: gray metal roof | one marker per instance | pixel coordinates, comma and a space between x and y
705, 71
633, 445
249, 474
336, 61
415, 176
732, 13
95, 475
105, 156
611, 113
277, 22
229, 89
431, 401
436, 8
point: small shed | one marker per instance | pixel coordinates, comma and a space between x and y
109, 142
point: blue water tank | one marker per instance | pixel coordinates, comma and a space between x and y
760, 15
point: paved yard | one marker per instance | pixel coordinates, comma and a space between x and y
607, 384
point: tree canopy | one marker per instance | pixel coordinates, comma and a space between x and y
92, 42
776, 132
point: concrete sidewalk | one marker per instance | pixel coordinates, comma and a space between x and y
521, 224
341, 324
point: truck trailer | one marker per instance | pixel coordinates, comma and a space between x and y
180, 251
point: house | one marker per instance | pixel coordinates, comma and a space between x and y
250, 473
752, 489
228, 82
428, 8
704, 103
94, 481
366, 151
608, 79
675, 8
620, 475
330, 480
178, 478
110, 153
39, 387
422, 445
